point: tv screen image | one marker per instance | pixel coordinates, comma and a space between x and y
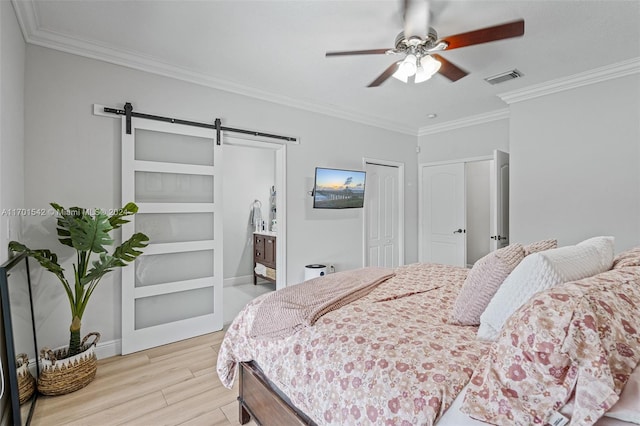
338, 189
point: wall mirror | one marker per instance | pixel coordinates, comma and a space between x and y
22, 367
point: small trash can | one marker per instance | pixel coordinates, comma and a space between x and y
315, 270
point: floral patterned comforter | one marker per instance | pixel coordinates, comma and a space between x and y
388, 358
578, 340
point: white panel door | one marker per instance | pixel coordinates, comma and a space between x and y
382, 216
442, 214
499, 206
174, 290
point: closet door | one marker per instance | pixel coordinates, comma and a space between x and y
174, 290
442, 214
382, 216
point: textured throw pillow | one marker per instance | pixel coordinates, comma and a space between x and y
538, 246
482, 283
606, 249
627, 258
540, 271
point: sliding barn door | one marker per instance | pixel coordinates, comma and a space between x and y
174, 290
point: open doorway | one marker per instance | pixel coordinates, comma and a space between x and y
254, 193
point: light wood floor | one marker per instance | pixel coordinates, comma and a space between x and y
175, 384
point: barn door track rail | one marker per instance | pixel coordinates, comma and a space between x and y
217, 124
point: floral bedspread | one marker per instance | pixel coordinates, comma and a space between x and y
388, 358
578, 340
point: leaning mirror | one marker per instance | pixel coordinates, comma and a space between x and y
20, 339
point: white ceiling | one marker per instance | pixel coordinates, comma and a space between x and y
275, 49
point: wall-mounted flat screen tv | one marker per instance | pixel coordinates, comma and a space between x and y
338, 189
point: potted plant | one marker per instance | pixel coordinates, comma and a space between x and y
88, 232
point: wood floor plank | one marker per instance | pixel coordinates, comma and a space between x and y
213, 418
190, 388
184, 345
149, 377
187, 409
175, 384
120, 363
125, 412
95, 399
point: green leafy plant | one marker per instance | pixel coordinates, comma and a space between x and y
88, 233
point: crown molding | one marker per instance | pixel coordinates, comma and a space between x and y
609, 72
33, 34
472, 120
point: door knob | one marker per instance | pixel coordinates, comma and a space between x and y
460, 231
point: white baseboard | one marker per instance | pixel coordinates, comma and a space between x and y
109, 349
244, 279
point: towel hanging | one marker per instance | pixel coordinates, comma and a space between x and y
256, 213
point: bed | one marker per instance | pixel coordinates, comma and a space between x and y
394, 356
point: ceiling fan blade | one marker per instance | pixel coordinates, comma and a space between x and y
385, 75
416, 18
448, 69
358, 52
485, 35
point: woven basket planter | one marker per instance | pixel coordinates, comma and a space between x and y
26, 382
61, 375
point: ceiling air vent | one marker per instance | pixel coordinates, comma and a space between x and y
505, 76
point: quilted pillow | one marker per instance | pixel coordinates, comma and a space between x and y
541, 245
605, 247
540, 271
627, 258
481, 284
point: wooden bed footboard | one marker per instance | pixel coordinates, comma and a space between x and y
264, 402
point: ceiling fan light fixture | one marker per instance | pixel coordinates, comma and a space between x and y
428, 67
409, 65
401, 73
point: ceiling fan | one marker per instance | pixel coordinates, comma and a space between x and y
419, 43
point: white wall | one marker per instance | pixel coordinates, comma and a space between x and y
12, 67
465, 142
575, 164
73, 157
248, 175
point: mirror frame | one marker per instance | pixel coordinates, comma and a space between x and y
5, 271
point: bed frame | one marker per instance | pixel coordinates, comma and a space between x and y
261, 400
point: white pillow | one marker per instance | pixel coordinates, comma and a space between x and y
540, 271
605, 246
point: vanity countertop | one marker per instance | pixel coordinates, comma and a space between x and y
267, 233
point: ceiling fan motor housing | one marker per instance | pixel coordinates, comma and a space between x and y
403, 43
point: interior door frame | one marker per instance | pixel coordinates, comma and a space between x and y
421, 167
280, 150
401, 174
